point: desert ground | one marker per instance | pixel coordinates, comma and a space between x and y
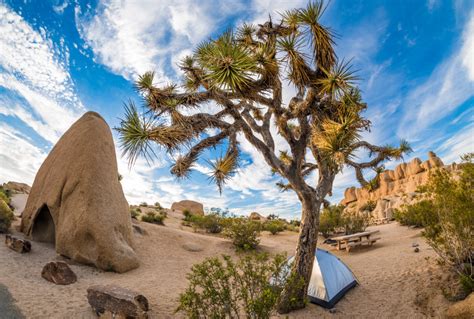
394, 281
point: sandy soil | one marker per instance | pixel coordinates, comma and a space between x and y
394, 281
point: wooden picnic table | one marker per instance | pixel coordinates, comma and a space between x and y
357, 239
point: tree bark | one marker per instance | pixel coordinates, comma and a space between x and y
294, 294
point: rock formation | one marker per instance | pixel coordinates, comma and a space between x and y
396, 187
16, 187
257, 217
194, 207
77, 202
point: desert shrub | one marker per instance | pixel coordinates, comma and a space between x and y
187, 214
330, 219
144, 204
154, 218
273, 217
419, 214
369, 206
451, 233
134, 213
158, 205
4, 195
355, 223
210, 223
139, 209
274, 226
6, 216
220, 288
243, 232
295, 222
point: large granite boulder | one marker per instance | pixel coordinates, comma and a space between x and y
77, 202
193, 207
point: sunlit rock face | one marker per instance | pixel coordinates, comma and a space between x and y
396, 187
77, 203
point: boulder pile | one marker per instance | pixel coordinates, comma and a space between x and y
396, 187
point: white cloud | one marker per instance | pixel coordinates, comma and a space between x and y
450, 84
460, 143
19, 156
37, 73
133, 37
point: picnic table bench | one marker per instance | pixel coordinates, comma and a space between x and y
349, 241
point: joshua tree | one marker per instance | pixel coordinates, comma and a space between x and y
241, 74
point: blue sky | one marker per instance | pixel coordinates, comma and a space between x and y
59, 59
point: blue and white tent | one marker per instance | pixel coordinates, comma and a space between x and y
330, 279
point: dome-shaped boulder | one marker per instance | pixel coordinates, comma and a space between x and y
77, 201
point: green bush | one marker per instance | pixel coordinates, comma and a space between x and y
154, 218
144, 204
369, 206
4, 195
134, 213
210, 223
158, 205
187, 214
330, 219
220, 288
355, 223
450, 234
6, 216
295, 222
419, 214
274, 226
243, 232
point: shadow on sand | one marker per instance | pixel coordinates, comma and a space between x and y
7, 305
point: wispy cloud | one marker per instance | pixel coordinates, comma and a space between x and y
448, 87
133, 37
35, 72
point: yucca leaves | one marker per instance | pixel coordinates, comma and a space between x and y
144, 83
339, 80
228, 64
224, 168
134, 133
321, 37
299, 72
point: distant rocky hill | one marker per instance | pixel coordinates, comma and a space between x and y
396, 187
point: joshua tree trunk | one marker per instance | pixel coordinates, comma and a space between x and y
294, 295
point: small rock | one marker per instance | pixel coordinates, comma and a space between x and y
19, 245
118, 301
415, 245
417, 250
58, 273
192, 247
332, 310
